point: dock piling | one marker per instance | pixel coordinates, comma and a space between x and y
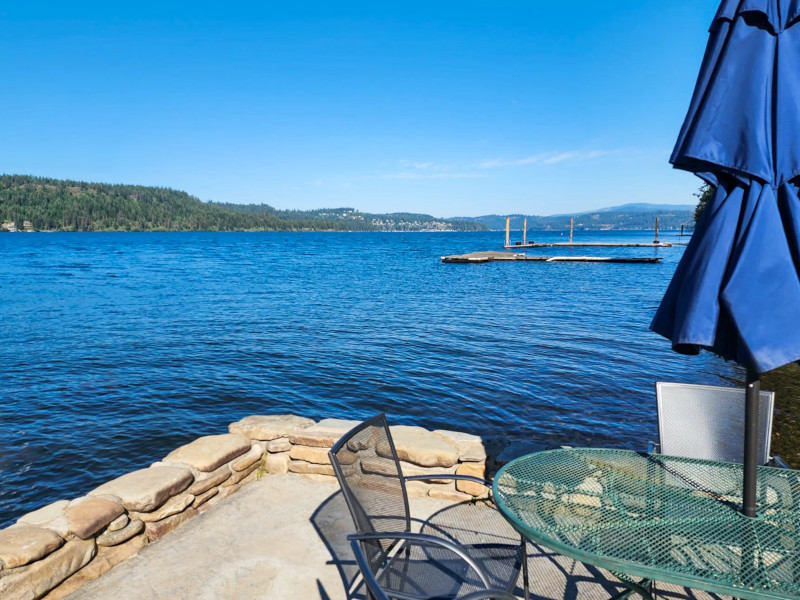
525, 244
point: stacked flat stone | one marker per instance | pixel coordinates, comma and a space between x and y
51, 552
297, 445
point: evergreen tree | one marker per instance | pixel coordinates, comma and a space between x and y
703, 195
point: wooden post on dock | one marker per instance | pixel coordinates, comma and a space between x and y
524, 229
571, 225
655, 241
508, 227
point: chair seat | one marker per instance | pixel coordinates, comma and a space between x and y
430, 572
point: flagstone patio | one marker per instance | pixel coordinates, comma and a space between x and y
283, 537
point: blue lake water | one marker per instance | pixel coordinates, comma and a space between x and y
117, 348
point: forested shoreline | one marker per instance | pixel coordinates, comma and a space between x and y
44, 204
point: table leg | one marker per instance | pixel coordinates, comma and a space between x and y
643, 588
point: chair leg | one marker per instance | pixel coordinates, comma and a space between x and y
525, 591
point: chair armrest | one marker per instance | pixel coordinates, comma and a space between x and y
777, 461
366, 572
450, 476
417, 538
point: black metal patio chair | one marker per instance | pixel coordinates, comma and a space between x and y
399, 564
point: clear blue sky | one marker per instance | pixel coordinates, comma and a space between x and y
445, 108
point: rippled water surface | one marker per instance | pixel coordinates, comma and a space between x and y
117, 348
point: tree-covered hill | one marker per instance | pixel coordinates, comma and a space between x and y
43, 204
353, 220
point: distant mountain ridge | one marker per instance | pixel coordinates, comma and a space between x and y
626, 216
41, 204
635, 207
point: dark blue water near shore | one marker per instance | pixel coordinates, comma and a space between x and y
117, 348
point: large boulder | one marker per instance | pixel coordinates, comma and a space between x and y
25, 544
421, 447
106, 558
119, 536
470, 487
209, 452
324, 434
470, 447
50, 517
254, 455
318, 456
239, 476
171, 507
43, 517
38, 578
307, 468
206, 481
279, 445
278, 464
119, 523
86, 516
270, 427
146, 489
205, 497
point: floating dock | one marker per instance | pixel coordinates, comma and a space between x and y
495, 256
588, 245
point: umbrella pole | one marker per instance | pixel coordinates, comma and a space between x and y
751, 414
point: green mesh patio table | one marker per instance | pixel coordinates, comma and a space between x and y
659, 518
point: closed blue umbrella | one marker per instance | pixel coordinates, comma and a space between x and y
736, 290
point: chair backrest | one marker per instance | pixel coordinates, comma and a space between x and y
368, 470
707, 422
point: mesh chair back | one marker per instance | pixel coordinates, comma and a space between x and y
366, 465
707, 422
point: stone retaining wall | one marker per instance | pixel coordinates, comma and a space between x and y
51, 552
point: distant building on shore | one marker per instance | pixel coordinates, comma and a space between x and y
12, 226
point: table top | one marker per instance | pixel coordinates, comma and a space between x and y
670, 519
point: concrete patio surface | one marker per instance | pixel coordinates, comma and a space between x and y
283, 537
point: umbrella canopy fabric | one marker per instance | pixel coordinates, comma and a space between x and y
736, 290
